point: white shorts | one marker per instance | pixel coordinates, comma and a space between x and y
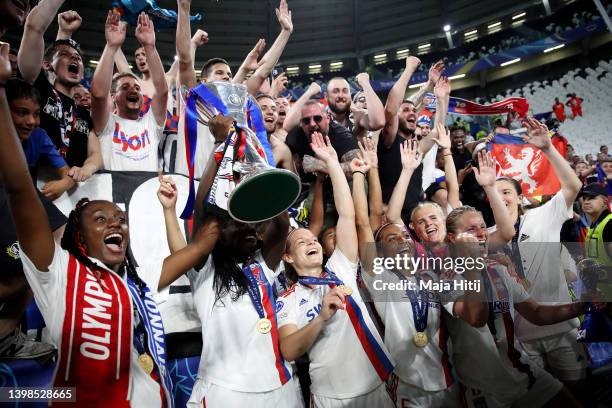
543, 390
210, 395
561, 354
378, 397
405, 395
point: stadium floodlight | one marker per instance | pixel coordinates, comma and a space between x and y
470, 33
493, 25
556, 47
380, 56
94, 62
314, 66
416, 85
456, 76
402, 53
446, 28
293, 69
337, 64
516, 17
423, 46
503, 64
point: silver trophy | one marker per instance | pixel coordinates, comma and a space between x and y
248, 188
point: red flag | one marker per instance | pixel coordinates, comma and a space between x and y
525, 163
560, 143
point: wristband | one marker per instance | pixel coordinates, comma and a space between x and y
358, 171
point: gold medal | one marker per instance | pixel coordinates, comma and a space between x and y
420, 339
146, 362
347, 290
264, 325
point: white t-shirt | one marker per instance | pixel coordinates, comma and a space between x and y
50, 293
481, 360
429, 167
339, 366
131, 145
423, 367
234, 354
540, 247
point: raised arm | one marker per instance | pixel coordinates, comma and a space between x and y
317, 210
121, 62
346, 234
145, 34
187, 75
270, 59
292, 119
549, 314
368, 150
411, 158
167, 195
251, 62
93, 162
486, 176
435, 72
33, 230
68, 22
538, 137
394, 101
32, 48
374, 118
450, 172
442, 91
114, 31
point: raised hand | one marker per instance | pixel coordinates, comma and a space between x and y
145, 32
485, 173
412, 63
323, 149
279, 85
442, 88
358, 113
443, 139
462, 174
368, 152
467, 245
114, 30
314, 89
69, 21
435, 72
251, 62
5, 63
283, 14
359, 164
199, 38
219, 126
537, 134
79, 174
363, 78
411, 157
167, 193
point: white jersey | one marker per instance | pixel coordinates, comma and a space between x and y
540, 248
131, 145
429, 167
49, 290
426, 367
493, 363
339, 366
234, 354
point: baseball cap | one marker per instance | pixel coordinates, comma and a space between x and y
593, 190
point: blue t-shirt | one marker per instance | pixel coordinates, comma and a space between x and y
39, 147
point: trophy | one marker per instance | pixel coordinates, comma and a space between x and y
247, 186
597, 325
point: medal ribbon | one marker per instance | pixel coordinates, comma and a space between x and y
154, 328
514, 251
420, 308
373, 350
504, 298
264, 302
255, 120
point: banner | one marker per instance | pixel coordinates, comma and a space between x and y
162, 18
464, 107
524, 163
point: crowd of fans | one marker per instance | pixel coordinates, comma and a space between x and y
286, 312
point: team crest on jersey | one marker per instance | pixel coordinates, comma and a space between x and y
279, 306
13, 250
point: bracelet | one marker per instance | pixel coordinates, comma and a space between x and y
447, 154
358, 171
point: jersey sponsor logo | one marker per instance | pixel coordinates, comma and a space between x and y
13, 250
314, 312
500, 307
134, 143
96, 346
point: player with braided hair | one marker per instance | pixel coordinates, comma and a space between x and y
100, 314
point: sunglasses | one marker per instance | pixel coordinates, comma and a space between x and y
317, 119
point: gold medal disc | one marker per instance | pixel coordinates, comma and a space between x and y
264, 325
347, 290
420, 339
146, 362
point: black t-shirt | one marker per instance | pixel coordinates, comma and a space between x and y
10, 262
472, 193
68, 125
341, 139
389, 170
